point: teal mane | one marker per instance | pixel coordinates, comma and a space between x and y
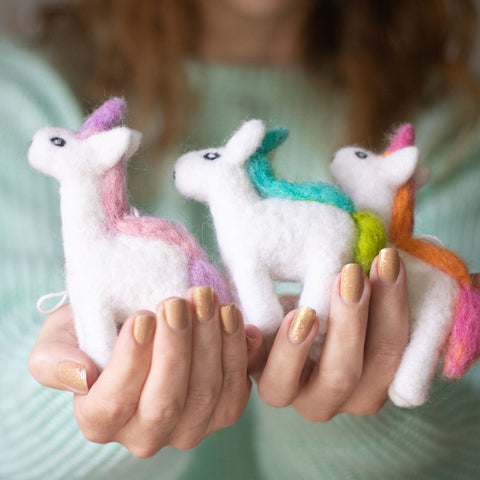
268, 186
371, 233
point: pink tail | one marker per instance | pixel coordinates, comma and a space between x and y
463, 347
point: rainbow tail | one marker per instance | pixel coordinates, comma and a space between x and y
463, 347
204, 273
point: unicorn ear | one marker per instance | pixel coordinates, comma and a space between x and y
110, 146
244, 142
401, 164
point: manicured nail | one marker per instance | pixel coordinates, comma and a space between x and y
250, 342
73, 375
228, 314
143, 328
351, 283
301, 324
388, 265
204, 301
177, 313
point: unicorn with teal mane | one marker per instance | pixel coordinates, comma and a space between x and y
270, 230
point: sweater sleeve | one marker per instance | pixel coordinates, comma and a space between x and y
39, 436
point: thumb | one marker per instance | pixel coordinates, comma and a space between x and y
56, 361
257, 351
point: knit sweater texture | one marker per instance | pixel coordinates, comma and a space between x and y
39, 438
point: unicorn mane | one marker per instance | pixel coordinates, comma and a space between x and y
118, 213
371, 234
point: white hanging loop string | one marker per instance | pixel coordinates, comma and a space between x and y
431, 239
61, 303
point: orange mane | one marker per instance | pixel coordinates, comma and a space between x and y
401, 234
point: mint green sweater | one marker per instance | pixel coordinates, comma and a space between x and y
39, 438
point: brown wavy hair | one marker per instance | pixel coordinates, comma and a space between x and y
388, 57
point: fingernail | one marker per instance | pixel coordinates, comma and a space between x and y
73, 375
143, 328
388, 265
177, 313
228, 314
351, 283
301, 324
203, 299
250, 342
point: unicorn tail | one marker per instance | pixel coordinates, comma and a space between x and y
371, 238
202, 272
463, 347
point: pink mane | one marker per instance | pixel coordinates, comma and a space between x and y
403, 137
118, 214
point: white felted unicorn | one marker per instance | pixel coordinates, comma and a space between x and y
444, 306
116, 262
266, 239
269, 229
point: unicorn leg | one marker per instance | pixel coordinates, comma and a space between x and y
258, 299
316, 294
412, 382
96, 331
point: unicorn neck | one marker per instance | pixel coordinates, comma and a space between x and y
234, 194
83, 218
114, 194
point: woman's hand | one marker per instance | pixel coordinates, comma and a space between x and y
175, 376
367, 333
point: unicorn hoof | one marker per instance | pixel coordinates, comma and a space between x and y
405, 401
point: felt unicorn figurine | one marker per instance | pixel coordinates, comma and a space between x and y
444, 305
273, 229
266, 239
116, 261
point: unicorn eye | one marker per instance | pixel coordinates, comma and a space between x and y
361, 155
58, 141
211, 156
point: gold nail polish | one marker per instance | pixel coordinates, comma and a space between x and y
177, 313
301, 324
143, 328
203, 299
250, 342
388, 265
73, 375
351, 283
228, 314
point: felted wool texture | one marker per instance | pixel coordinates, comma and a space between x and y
432, 272
371, 234
266, 239
116, 263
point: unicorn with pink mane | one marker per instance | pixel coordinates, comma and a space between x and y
116, 261
444, 305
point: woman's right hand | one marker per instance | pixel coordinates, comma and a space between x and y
175, 376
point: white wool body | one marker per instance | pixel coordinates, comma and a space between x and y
109, 275
372, 182
431, 298
263, 240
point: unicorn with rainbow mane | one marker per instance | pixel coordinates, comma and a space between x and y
444, 305
270, 229
116, 261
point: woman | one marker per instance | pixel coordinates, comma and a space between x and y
331, 75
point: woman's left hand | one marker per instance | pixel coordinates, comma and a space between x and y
368, 330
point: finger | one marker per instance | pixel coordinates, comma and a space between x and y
387, 333
236, 384
56, 361
164, 391
113, 398
341, 363
278, 384
205, 381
